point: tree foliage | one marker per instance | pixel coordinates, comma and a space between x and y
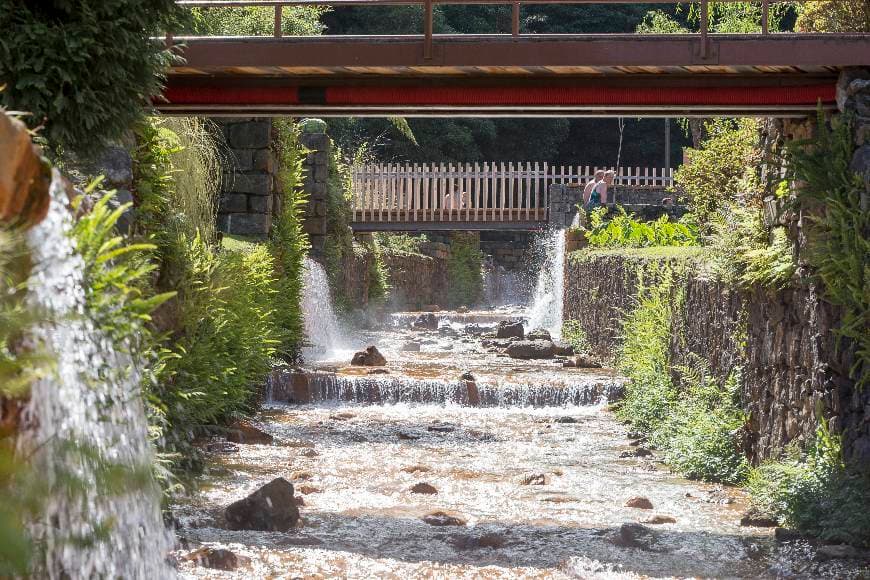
257, 21
835, 16
84, 70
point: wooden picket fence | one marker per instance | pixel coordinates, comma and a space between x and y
506, 192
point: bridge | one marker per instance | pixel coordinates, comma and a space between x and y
485, 196
514, 74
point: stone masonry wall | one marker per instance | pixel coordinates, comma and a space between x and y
249, 193
316, 184
790, 364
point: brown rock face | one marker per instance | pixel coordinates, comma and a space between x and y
272, 508
24, 176
217, 559
639, 502
370, 357
244, 432
424, 488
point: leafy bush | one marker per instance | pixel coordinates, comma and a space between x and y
289, 242
257, 21
573, 334
837, 236
86, 70
815, 493
721, 171
464, 270
834, 16
690, 421
395, 243
624, 231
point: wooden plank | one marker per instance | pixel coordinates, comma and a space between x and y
546, 186
426, 190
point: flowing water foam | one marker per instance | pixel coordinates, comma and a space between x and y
89, 423
322, 327
546, 308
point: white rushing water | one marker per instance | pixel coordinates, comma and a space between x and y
546, 308
90, 432
322, 327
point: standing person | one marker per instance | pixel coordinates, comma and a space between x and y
605, 184
590, 186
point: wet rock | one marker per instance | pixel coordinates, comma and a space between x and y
633, 535
637, 452
787, 535
565, 420
530, 349
569, 363
533, 479
424, 488
378, 372
370, 357
416, 469
411, 347
758, 519
343, 416
467, 376
562, 348
474, 329
539, 334
309, 453
217, 559
245, 432
584, 361
431, 308
509, 329
300, 501
659, 519
271, 508
639, 502
443, 519
308, 489
25, 177
441, 428
466, 542
403, 436
836, 552
300, 476
425, 322
221, 447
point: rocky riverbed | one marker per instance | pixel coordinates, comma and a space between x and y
398, 474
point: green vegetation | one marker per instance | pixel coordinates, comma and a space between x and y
397, 243
834, 16
289, 243
84, 71
684, 412
624, 231
574, 335
837, 239
815, 493
257, 21
464, 270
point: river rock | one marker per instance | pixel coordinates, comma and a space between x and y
411, 347
474, 329
633, 535
272, 508
467, 376
244, 432
467, 542
425, 322
639, 502
424, 488
584, 361
758, 519
370, 357
562, 348
509, 329
539, 334
659, 519
217, 559
530, 349
533, 479
443, 519
25, 177
836, 552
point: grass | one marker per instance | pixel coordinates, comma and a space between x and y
237, 243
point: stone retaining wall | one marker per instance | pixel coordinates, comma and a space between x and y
790, 363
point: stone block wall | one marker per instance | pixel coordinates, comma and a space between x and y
249, 193
316, 185
790, 363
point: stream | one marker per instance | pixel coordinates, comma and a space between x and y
535, 481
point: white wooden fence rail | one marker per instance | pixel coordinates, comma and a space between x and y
476, 192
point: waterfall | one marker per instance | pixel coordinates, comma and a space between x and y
322, 327
100, 516
546, 308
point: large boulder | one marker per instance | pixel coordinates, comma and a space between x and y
217, 559
25, 176
539, 334
531, 349
245, 432
509, 329
272, 508
562, 348
425, 322
370, 357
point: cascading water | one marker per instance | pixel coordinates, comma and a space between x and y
100, 516
321, 324
546, 309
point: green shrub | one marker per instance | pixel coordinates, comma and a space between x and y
396, 243
624, 231
289, 242
815, 493
86, 70
573, 334
257, 21
464, 270
838, 236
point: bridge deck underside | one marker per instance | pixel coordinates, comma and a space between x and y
497, 74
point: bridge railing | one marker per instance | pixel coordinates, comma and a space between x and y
466, 192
